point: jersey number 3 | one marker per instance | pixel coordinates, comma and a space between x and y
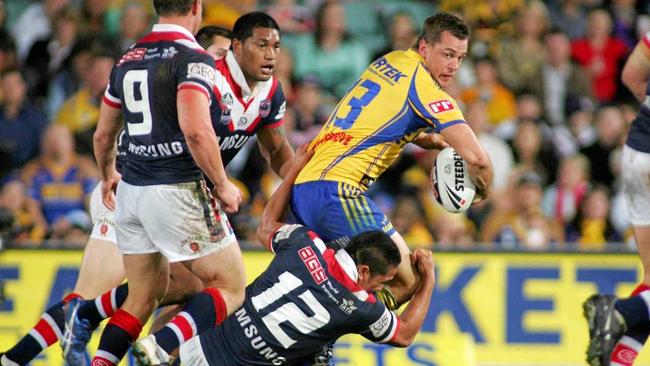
357, 104
135, 84
290, 312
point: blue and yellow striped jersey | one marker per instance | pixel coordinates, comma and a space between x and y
393, 101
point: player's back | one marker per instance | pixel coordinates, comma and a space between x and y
304, 299
144, 84
393, 100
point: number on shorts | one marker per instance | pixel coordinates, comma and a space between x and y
137, 80
290, 312
357, 104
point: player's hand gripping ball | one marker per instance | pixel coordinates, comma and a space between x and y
452, 186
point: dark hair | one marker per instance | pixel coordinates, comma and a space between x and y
172, 7
376, 250
441, 22
205, 36
244, 26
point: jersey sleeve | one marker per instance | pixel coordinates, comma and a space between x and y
278, 106
289, 235
196, 71
111, 95
435, 107
382, 325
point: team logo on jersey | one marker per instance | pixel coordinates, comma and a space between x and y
309, 258
169, 52
226, 106
134, 54
380, 327
242, 121
201, 71
265, 108
347, 306
103, 229
442, 105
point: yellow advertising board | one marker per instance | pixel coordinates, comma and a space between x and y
488, 308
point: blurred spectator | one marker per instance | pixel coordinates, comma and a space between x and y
69, 79
570, 16
610, 127
60, 180
292, 17
624, 16
135, 21
93, 15
21, 123
283, 71
580, 114
35, 23
562, 199
530, 152
499, 152
408, 219
309, 111
330, 54
558, 77
80, 112
47, 56
402, 33
521, 55
489, 20
592, 228
499, 101
25, 229
524, 224
224, 12
601, 55
71, 230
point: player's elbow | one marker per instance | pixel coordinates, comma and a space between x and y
629, 78
402, 340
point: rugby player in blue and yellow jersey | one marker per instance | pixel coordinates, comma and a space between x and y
398, 99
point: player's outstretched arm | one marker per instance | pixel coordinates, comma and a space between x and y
636, 72
273, 214
276, 149
194, 119
412, 317
461, 137
104, 146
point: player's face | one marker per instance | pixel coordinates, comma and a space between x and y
374, 282
258, 54
443, 58
219, 47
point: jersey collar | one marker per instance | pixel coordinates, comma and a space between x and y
173, 28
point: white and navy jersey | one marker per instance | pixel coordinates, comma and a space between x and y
307, 297
144, 84
639, 136
242, 112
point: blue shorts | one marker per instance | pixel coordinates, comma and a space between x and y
336, 210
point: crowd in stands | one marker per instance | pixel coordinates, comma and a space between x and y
540, 87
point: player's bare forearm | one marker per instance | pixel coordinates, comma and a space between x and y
415, 312
636, 71
276, 149
104, 146
275, 208
430, 141
194, 120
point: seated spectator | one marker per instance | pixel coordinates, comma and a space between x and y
34, 23
292, 17
402, 33
310, 111
135, 22
330, 53
26, 230
592, 228
68, 79
71, 230
562, 199
499, 101
531, 153
80, 112
408, 219
601, 55
21, 123
60, 180
610, 129
522, 223
570, 16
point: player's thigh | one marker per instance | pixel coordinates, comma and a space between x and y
148, 277
183, 221
101, 268
132, 238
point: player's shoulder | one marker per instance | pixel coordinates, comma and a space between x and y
290, 235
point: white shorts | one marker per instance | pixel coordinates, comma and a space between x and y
636, 185
103, 218
182, 221
191, 353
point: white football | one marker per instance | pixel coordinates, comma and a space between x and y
452, 186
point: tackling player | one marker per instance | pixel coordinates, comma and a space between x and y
618, 329
162, 88
308, 296
397, 100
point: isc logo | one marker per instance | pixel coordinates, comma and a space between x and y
441, 106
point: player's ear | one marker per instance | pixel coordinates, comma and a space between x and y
364, 273
195, 6
422, 47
